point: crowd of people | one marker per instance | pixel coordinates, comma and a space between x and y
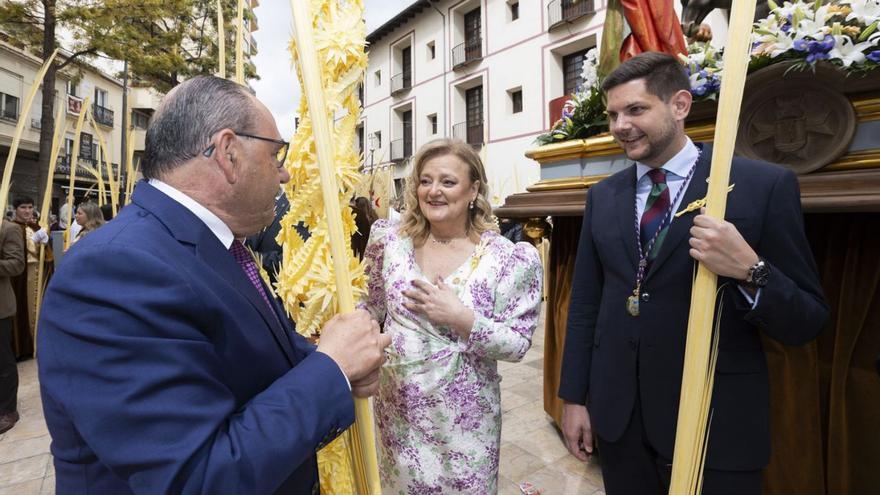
28, 261
168, 366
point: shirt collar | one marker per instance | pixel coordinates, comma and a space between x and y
679, 165
212, 221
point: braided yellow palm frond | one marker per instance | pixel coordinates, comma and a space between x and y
306, 282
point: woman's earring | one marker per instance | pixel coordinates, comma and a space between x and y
472, 205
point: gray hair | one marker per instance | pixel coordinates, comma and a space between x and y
183, 125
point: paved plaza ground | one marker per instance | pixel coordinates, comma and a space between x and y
531, 448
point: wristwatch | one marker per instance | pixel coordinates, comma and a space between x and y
758, 275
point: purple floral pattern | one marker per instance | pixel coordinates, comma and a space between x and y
438, 409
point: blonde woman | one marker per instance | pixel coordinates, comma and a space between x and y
90, 217
456, 297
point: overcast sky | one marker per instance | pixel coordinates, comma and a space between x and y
277, 87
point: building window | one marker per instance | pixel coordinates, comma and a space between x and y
85, 146
100, 97
432, 123
377, 140
514, 10
139, 120
473, 40
571, 69
71, 88
378, 75
8, 106
432, 52
516, 100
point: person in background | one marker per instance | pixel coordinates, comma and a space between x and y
265, 242
12, 263
107, 212
364, 218
90, 216
25, 285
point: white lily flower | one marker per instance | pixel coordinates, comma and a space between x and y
782, 45
848, 52
788, 9
865, 11
815, 26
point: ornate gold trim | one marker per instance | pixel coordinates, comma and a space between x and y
858, 160
867, 110
565, 183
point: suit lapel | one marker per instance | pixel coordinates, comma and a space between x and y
679, 229
624, 210
187, 228
213, 253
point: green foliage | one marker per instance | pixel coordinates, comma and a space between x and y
164, 41
583, 116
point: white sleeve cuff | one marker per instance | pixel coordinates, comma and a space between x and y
753, 301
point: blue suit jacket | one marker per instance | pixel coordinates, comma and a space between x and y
610, 356
162, 370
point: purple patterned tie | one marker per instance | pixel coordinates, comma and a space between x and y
244, 258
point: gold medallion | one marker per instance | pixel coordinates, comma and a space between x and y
632, 305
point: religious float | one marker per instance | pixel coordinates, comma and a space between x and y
812, 103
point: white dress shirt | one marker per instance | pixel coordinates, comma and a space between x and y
212, 221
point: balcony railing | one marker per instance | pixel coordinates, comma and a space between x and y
561, 11
103, 115
401, 149
466, 52
10, 113
62, 167
471, 133
401, 82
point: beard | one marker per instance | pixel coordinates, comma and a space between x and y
657, 144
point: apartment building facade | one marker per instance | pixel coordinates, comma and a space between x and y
493, 73
18, 70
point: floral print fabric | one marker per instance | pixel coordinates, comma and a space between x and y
438, 408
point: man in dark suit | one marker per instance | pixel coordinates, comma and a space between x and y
165, 366
626, 332
264, 243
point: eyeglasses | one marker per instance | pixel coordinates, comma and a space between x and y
280, 155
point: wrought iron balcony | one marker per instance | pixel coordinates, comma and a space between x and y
62, 167
401, 149
401, 82
471, 133
467, 52
103, 115
562, 11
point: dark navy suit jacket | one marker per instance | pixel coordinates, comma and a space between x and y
610, 356
162, 370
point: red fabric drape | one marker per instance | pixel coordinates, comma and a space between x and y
655, 28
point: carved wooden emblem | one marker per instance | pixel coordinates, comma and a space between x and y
797, 119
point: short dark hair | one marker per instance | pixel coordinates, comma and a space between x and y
664, 75
187, 118
22, 200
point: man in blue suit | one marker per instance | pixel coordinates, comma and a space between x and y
631, 291
166, 366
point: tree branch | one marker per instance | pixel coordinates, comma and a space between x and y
72, 57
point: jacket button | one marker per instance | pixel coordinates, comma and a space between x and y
646, 297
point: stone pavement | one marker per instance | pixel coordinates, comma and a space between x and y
531, 448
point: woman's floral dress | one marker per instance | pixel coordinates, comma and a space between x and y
438, 408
